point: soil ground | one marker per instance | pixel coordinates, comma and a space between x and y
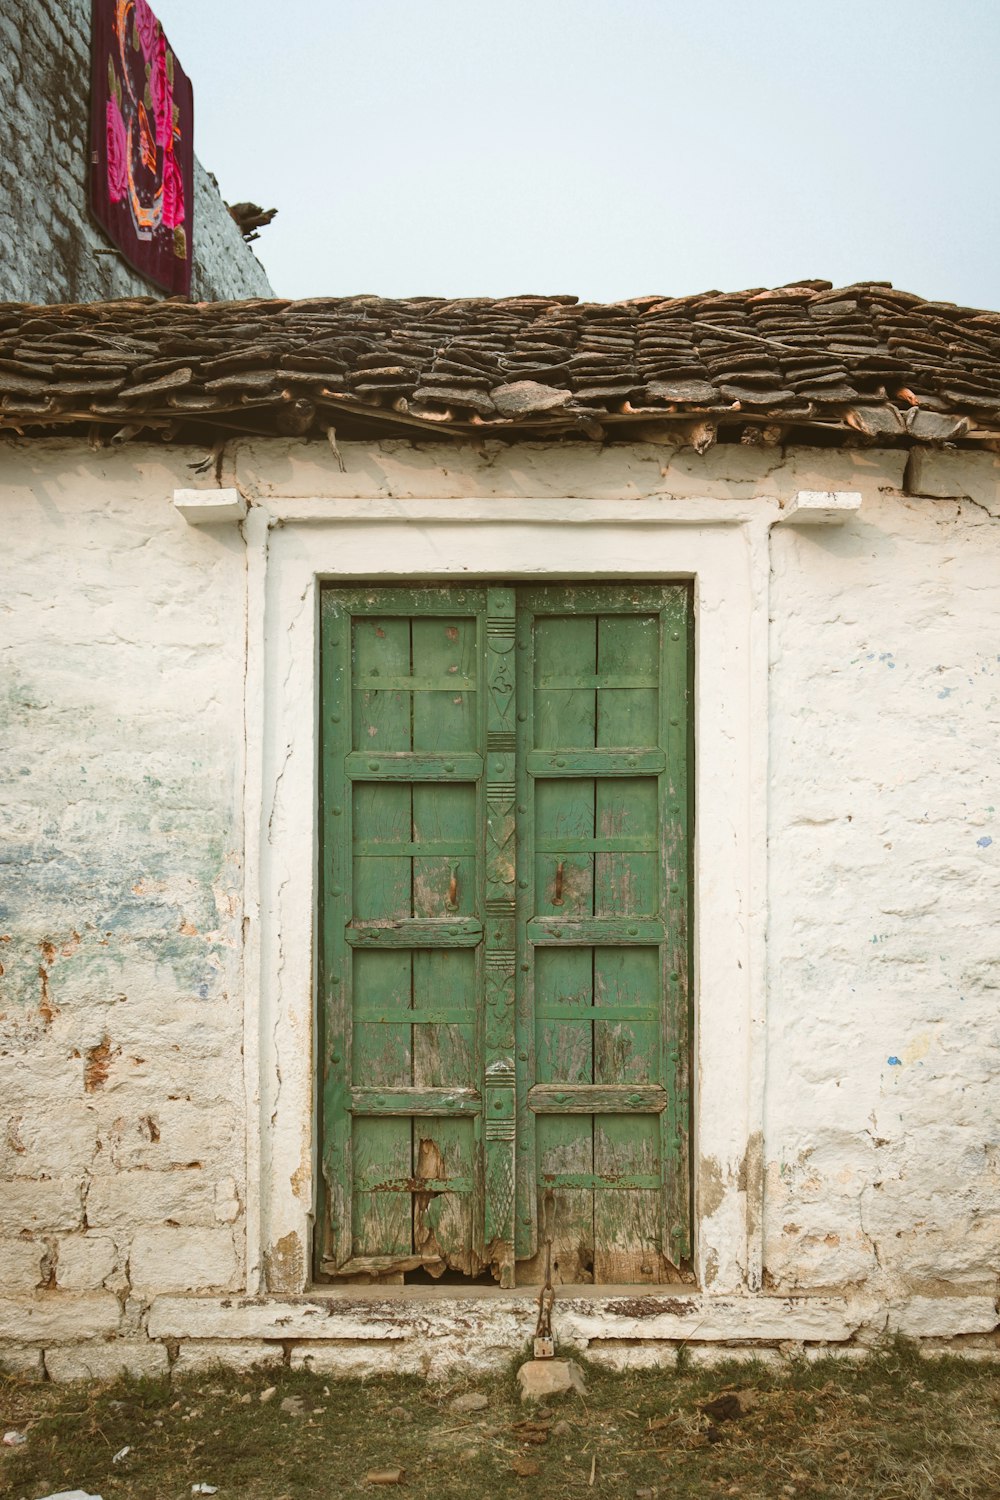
896, 1426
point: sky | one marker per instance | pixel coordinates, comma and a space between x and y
608, 148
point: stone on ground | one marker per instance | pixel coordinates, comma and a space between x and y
541, 1378
471, 1401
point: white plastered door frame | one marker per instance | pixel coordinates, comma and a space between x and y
294, 546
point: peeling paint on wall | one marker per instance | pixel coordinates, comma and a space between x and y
284, 1265
711, 1188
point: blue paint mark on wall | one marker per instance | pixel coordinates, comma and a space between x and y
894, 1062
945, 692
984, 842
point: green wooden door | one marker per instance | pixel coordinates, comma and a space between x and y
504, 933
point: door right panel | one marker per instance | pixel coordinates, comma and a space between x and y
603, 837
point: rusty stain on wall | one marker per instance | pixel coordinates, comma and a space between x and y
98, 1064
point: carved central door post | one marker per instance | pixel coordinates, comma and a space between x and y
498, 1053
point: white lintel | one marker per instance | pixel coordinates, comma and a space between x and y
210, 507
820, 507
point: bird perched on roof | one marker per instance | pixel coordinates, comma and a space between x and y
250, 218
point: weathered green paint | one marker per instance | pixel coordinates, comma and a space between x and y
599, 1098
445, 886
395, 767
504, 890
498, 998
416, 932
600, 931
596, 763
415, 1101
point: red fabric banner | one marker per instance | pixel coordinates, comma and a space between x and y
142, 143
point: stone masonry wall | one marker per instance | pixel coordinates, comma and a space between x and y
123, 1182
121, 1114
883, 1155
50, 249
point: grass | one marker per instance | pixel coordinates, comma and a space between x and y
896, 1427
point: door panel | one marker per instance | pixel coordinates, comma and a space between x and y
600, 761
504, 1019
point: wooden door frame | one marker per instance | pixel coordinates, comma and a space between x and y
293, 547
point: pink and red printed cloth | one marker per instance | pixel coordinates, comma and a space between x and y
142, 143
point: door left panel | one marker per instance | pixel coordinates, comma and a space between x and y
403, 723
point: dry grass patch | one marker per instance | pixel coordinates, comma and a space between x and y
896, 1427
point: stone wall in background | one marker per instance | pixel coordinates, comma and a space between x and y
50, 249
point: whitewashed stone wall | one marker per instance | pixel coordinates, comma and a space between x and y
50, 249
121, 1122
125, 1192
883, 1153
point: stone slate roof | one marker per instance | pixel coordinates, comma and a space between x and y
862, 363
